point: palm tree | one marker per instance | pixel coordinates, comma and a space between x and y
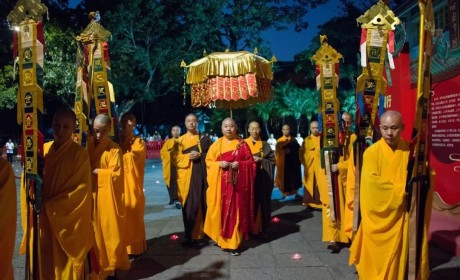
296, 101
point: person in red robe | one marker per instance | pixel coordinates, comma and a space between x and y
230, 195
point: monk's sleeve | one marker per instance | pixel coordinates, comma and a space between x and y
268, 161
72, 227
138, 150
180, 160
165, 155
212, 167
113, 172
8, 219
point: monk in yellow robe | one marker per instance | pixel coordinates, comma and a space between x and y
134, 154
169, 170
333, 231
288, 178
65, 230
109, 214
314, 175
264, 157
231, 172
380, 247
7, 219
189, 161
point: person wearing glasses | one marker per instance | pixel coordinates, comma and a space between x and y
380, 247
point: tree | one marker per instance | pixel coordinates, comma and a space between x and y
296, 102
265, 111
150, 38
8, 88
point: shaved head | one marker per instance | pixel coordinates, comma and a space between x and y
103, 119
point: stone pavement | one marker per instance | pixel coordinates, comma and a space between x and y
297, 232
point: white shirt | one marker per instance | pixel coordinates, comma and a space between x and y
272, 143
299, 140
9, 147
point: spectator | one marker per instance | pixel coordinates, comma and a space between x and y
9, 150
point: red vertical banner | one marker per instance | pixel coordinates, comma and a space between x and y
444, 129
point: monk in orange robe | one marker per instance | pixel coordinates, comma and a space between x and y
65, 229
314, 175
169, 170
380, 247
264, 157
288, 178
7, 219
134, 154
189, 160
106, 160
231, 172
333, 230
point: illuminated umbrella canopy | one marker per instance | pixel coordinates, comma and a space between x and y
230, 80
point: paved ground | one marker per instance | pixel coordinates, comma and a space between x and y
297, 232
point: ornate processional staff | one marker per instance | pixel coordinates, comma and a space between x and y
419, 173
327, 59
29, 43
377, 45
94, 91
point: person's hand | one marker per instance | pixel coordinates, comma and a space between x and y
96, 171
224, 164
334, 167
194, 155
234, 165
257, 159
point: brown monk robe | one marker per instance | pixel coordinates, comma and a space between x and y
288, 178
264, 156
189, 160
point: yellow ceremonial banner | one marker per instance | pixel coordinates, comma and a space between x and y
30, 94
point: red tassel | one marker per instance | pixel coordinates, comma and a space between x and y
105, 47
391, 41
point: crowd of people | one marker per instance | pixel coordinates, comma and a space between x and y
91, 216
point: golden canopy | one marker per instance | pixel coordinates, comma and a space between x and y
230, 80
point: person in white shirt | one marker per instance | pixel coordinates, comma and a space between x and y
9, 150
299, 139
272, 141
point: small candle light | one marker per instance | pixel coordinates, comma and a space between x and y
153, 166
275, 219
174, 237
296, 257
157, 182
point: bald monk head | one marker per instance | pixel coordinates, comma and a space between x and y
346, 121
314, 129
101, 127
391, 127
229, 128
191, 123
63, 125
175, 131
254, 130
127, 125
286, 130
